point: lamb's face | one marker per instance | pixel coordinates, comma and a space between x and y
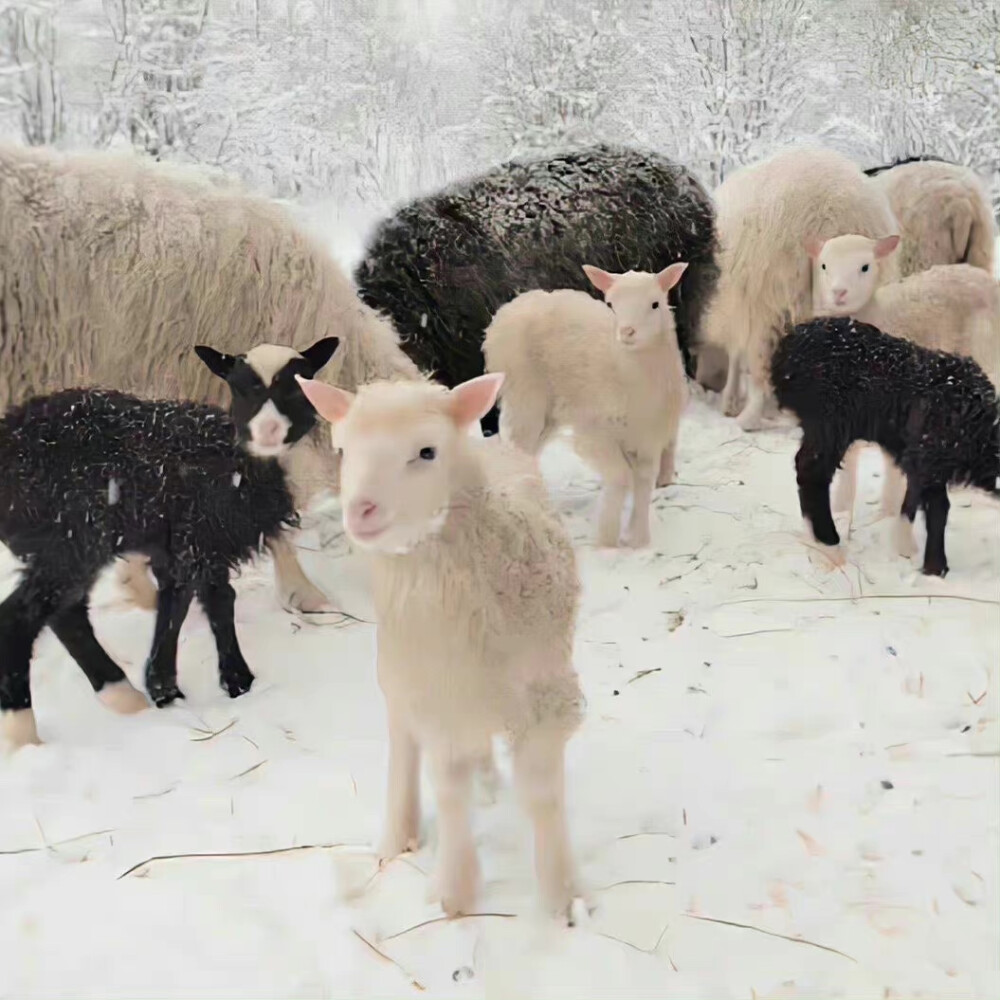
639, 303
268, 405
847, 272
400, 444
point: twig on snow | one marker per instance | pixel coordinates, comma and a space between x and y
211, 735
438, 920
761, 930
644, 673
229, 854
386, 958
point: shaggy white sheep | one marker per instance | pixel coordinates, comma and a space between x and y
943, 212
476, 592
765, 213
114, 267
611, 371
953, 308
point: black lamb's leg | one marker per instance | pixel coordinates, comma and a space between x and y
22, 617
814, 473
172, 605
73, 629
218, 599
935, 503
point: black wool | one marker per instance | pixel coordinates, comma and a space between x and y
875, 171
935, 414
89, 475
442, 265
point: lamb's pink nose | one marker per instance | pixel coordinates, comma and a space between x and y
839, 296
269, 432
363, 516
627, 333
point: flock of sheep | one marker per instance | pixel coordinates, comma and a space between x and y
578, 291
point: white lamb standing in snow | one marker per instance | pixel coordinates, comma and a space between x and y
765, 213
611, 371
953, 308
476, 590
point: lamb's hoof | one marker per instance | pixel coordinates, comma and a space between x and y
828, 557
393, 844
458, 892
730, 406
123, 698
236, 681
17, 729
638, 539
607, 540
164, 694
663, 482
935, 569
750, 422
308, 601
902, 533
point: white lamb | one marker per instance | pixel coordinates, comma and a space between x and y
476, 591
765, 213
611, 371
953, 307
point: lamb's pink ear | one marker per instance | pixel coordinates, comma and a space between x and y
601, 280
885, 246
472, 400
330, 402
669, 276
814, 246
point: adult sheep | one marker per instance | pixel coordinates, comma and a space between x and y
442, 265
767, 212
943, 212
113, 268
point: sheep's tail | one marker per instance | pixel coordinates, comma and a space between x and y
138, 589
979, 250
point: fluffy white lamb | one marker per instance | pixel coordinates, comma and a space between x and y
476, 591
943, 212
765, 213
954, 308
112, 268
611, 371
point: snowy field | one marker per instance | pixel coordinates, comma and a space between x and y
786, 784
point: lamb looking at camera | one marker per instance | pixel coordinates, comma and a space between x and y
611, 371
954, 308
476, 591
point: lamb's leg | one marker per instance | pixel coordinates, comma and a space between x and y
751, 418
73, 629
906, 544
132, 575
296, 592
893, 489
457, 866
608, 459
846, 491
218, 599
935, 504
21, 619
539, 770
731, 392
161, 667
643, 475
814, 471
523, 419
666, 474
402, 811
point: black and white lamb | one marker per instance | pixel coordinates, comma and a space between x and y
935, 414
442, 265
88, 475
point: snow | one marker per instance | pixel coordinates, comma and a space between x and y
812, 752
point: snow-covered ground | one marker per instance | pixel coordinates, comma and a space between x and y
786, 784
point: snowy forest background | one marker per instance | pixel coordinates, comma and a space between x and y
366, 102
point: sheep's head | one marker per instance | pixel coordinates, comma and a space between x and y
269, 409
847, 270
400, 445
639, 303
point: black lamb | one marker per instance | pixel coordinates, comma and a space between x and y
935, 414
89, 475
442, 265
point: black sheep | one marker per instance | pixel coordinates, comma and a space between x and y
89, 475
935, 414
442, 265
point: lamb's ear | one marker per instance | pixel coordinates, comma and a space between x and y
601, 280
330, 402
320, 352
669, 276
814, 246
218, 363
885, 246
472, 400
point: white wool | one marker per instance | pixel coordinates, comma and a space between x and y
766, 214
565, 367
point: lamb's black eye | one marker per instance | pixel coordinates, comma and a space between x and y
656, 305
823, 266
864, 268
427, 454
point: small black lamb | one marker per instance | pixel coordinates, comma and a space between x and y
935, 414
88, 475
